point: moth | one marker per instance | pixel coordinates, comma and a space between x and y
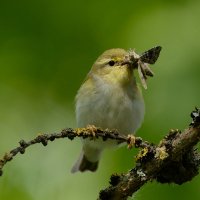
141, 62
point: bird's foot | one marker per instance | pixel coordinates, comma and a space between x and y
92, 129
131, 141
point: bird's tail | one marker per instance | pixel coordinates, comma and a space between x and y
83, 164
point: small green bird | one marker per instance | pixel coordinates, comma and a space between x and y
109, 98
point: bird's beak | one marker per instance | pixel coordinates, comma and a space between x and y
128, 60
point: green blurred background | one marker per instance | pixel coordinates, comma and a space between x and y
47, 48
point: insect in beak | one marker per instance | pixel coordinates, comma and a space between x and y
141, 62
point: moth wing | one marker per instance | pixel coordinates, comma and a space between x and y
142, 77
150, 56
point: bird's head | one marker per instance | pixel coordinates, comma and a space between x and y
114, 66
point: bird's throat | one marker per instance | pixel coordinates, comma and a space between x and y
120, 75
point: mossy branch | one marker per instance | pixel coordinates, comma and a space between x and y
174, 159
89, 132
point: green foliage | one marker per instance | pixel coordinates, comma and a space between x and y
47, 48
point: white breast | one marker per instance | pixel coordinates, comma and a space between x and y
110, 106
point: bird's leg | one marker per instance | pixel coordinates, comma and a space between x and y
91, 129
131, 141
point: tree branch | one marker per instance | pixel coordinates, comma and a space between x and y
172, 160
89, 132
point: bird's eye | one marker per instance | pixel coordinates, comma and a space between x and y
111, 62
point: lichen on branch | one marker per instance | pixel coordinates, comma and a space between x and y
90, 132
173, 160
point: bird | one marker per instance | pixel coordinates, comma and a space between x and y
109, 98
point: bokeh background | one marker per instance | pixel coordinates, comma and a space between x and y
47, 48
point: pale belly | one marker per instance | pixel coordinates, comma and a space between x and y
111, 109
108, 107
